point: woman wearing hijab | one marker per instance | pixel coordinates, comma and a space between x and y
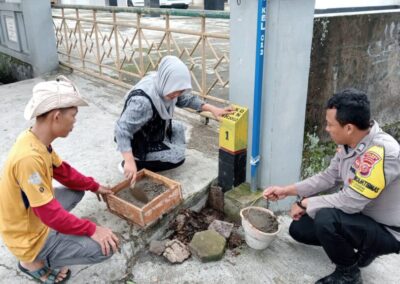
145, 133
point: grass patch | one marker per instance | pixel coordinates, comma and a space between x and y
316, 154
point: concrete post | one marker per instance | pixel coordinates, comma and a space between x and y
286, 68
40, 35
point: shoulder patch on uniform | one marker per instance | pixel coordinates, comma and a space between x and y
369, 178
35, 179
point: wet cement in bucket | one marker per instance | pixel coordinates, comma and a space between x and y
261, 220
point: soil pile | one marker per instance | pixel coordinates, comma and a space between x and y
188, 222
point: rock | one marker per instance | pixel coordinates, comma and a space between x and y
175, 251
180, 221
216, 198
208, 245
235, 241
199, 205
221, 227
158, 247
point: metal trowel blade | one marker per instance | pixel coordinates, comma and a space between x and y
138, 193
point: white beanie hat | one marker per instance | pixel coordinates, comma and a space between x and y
50, 95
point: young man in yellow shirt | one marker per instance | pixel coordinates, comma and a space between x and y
35, 222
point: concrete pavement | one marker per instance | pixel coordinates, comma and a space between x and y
90, 148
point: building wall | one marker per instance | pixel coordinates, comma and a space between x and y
361, 51
27, 34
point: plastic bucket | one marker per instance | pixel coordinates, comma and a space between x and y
255, 238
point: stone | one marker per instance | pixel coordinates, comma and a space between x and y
216, 198
239, 198
175, 251
208, 245
235, 240
158, 247
180, 221
221, 227
200, 204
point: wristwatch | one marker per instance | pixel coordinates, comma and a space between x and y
298, 202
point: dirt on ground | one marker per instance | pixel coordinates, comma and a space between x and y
151, 188
262, 220
188, 222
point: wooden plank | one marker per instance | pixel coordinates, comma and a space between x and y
161, 205
125, 209
151, 211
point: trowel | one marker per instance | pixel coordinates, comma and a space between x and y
138, 193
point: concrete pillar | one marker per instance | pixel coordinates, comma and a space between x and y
286, 68
40, 35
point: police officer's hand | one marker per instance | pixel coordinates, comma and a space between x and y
274, 192
296, 212
106, 239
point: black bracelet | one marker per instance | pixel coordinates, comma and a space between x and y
298, 202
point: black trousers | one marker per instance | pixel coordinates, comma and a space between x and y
157, 166
344, 236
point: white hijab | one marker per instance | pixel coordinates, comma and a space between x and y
172, 75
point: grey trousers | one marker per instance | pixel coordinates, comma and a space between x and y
62, 250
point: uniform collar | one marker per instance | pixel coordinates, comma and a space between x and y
365, 143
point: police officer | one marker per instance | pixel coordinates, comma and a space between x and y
362, 220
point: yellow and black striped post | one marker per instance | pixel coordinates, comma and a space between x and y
233, 148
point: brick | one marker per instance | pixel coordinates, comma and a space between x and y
216, 198
239, 198
221, 227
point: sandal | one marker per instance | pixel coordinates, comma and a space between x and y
54, 272
51, 274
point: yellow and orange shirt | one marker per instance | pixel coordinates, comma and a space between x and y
27, 176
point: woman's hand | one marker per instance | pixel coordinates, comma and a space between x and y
216, 111
130, 170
